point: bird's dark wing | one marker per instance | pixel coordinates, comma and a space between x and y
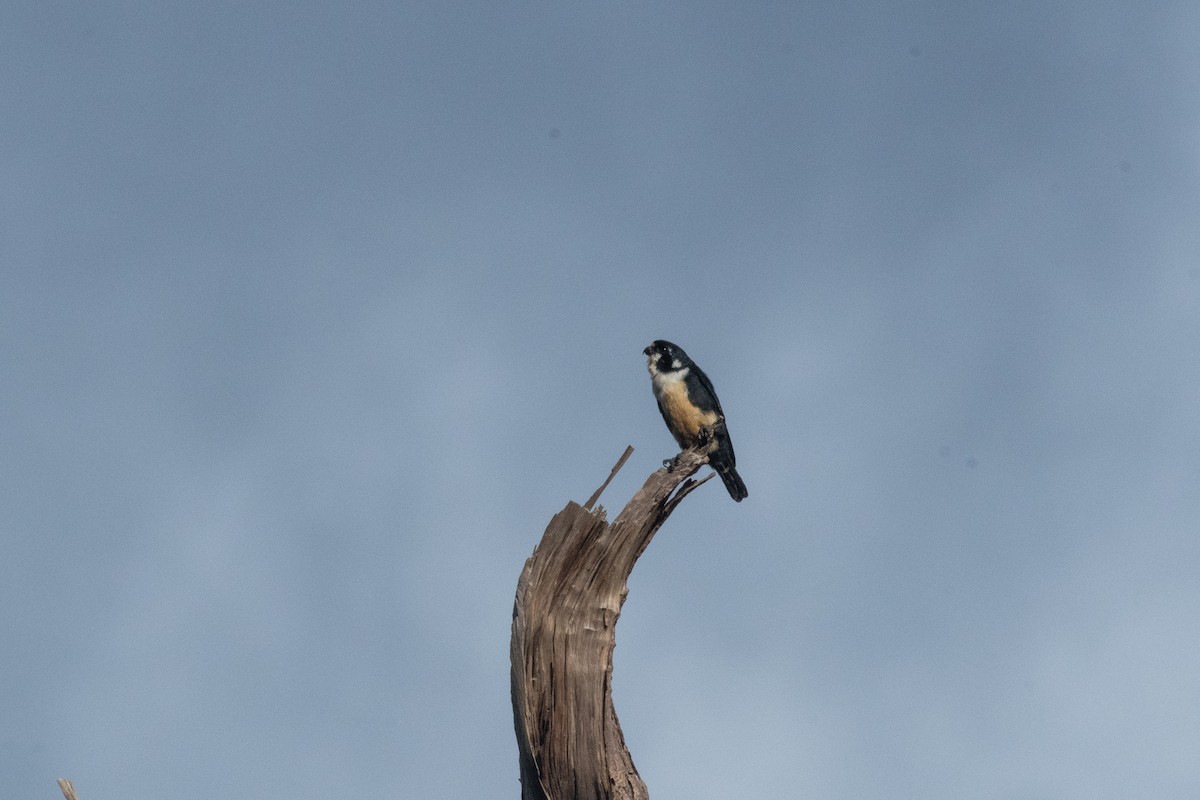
706, 384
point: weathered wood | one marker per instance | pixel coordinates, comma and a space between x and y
568, 600
67, 788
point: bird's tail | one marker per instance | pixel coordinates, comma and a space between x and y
732, 481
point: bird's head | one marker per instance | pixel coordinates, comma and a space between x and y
664, 357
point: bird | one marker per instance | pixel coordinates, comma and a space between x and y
692, 411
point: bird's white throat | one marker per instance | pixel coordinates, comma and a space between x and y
663, 379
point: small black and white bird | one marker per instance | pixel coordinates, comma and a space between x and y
691, 409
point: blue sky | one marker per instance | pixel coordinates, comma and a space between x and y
314, 314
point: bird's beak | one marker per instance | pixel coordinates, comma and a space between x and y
646, 352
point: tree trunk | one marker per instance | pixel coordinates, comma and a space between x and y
563, 633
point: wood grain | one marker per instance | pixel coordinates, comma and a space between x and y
568, 600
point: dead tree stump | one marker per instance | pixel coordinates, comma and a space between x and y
563, 633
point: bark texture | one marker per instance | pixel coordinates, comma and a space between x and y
568, 600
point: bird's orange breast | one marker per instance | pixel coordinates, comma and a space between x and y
683, 418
